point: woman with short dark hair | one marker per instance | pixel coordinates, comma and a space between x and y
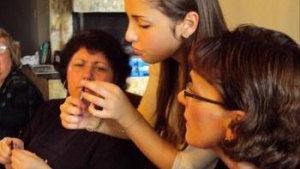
92, 55
243, 100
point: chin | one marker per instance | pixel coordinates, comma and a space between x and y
188, 138
194, 141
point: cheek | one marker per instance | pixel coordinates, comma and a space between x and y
104, 76
204, 128
5, 65
73, 79
158, 47
5, 60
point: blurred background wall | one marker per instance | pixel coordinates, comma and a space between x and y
34, 21
282, 15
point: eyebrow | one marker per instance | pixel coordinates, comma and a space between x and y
100, 63
136, 16
140, 17
95, 62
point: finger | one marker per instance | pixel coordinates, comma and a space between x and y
70, 118
5, 160
70, 122
72, 106
14, 161
5, 150
96, 100
70, 109
70, 126
96, 112
21, 153
18, 143
102, 114
100, 88
20, 156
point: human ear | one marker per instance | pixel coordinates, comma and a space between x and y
189, 24
238, 115
234, 117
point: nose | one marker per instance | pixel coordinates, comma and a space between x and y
130, 35
181, 98
88, 73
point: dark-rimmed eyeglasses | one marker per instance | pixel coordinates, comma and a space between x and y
3, 48
188, 93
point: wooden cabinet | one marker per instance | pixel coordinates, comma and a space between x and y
50, 85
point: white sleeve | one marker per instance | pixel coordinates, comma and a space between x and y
147, 105
195, 158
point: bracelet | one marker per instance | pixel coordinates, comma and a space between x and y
132, 124
96, 127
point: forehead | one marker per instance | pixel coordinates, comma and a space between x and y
198, 79
136, 4
83, 54
146, 11
140, 7
193, 74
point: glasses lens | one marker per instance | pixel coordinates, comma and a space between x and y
3, 48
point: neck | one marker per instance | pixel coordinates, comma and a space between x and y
179, 57
233, 164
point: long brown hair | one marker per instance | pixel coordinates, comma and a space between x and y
173, 77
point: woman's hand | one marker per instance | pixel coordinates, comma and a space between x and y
112, 101
105, 101
23, 159
75, 116
7, 144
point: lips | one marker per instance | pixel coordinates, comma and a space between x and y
137, 51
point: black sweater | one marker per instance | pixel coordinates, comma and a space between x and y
77, 149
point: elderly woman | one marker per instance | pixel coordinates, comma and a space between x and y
91, 55
19, 98
243, 99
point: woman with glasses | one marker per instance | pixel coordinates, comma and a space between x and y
19, 98
243, 99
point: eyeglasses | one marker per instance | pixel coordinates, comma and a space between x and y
3, 48
188, 93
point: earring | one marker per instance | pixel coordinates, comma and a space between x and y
228, 136
186, 25
184, 36
228, 139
